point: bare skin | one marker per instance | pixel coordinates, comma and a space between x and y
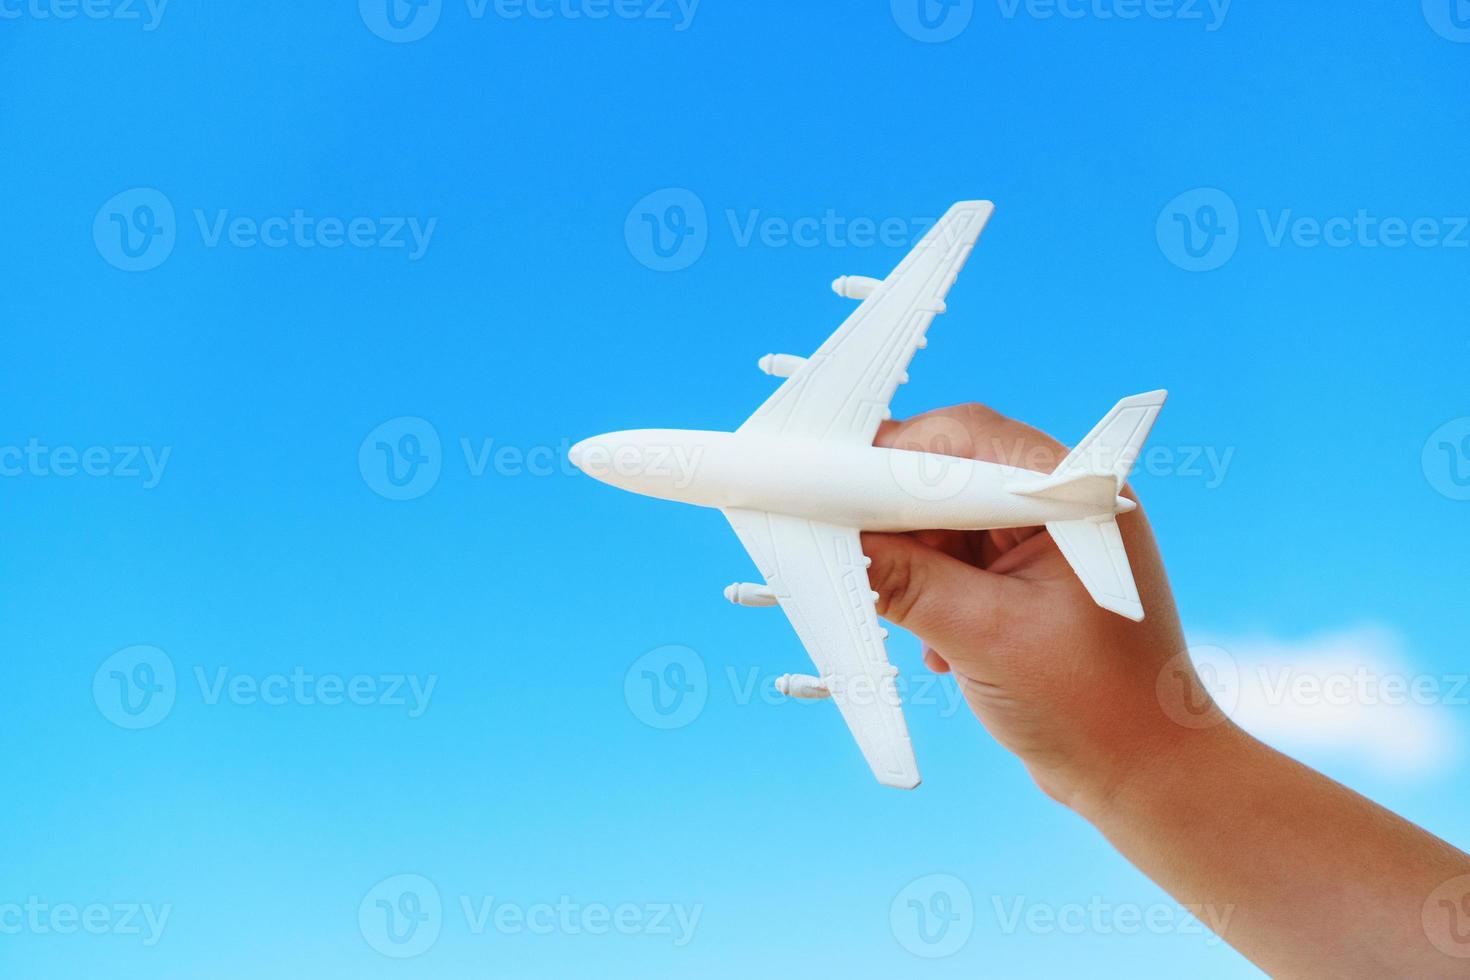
1111, 719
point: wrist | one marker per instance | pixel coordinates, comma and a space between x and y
1176, 763
1154, 724
1139, 746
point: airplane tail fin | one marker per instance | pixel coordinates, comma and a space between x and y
1113, 445
1094, 472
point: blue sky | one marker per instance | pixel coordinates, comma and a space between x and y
256, 678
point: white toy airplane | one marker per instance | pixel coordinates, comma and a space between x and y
801, 478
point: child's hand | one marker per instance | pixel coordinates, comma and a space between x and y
1300, 874
1066, 685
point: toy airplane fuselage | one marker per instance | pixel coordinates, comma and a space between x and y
801, 479
869, 488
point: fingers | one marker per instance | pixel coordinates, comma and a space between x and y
951, 605
935, 662
974, 432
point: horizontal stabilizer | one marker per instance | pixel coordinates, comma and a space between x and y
1094, 549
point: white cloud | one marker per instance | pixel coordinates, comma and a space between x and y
1350, 693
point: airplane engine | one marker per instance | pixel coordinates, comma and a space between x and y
781, 365
855, 287
802, 686
750, 594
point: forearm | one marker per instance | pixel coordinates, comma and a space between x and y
1300, 874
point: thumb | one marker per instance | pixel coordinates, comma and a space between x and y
950, 605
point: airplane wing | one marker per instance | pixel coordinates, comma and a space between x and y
820, 577
842, 391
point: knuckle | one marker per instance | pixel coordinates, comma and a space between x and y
979, 412
896, 577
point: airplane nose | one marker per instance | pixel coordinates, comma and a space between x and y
593, 455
